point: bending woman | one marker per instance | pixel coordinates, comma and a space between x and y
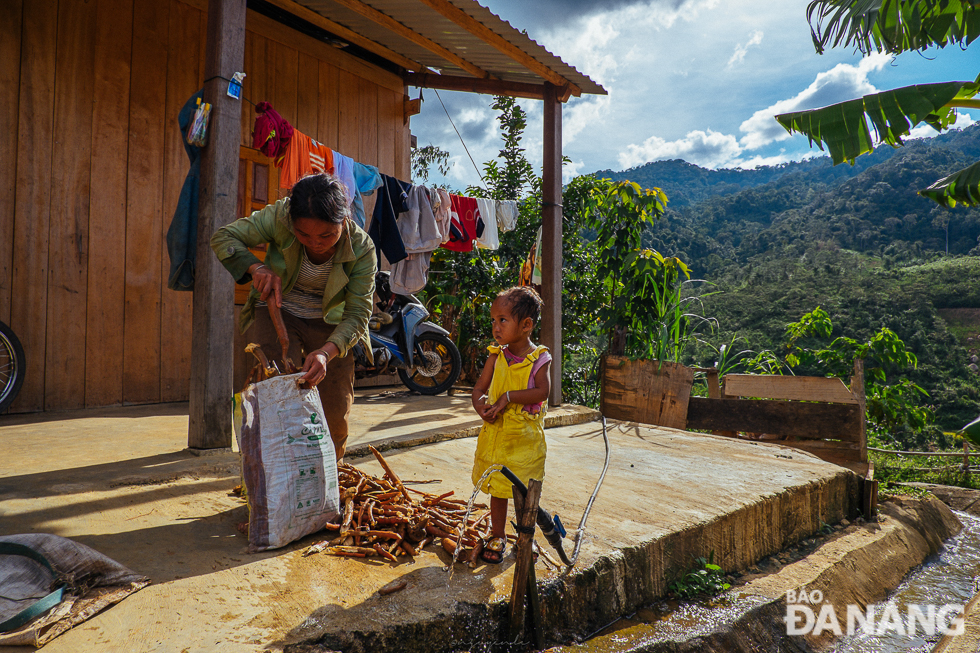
319, 268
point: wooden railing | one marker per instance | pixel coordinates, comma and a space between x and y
816, 414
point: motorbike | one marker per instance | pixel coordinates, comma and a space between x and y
12, 366
426, 360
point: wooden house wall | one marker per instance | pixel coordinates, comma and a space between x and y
92, 163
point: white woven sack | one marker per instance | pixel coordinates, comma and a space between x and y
288, 462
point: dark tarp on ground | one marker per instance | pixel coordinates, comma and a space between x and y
93, 582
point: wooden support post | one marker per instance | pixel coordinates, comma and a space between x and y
722, 395
526, 509
966, 458
857, 390
714, 392
534, 610
209, 426
551, 238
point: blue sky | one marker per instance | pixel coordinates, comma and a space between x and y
697, 80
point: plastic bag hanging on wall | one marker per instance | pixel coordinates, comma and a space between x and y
197, 131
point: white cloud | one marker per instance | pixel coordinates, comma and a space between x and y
739, 55
922, 130
709, 149
571, 170
582, 114
840, 83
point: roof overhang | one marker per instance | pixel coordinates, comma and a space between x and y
445, 44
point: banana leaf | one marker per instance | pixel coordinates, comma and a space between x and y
972, 431
843, 127
892, 25
962, 187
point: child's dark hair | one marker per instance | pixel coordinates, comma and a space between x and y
523, 302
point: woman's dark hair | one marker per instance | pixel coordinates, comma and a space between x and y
322, 197
523, 302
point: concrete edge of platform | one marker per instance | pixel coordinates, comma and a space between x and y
568, 415
618, 583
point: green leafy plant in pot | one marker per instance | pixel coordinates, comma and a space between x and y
643, 306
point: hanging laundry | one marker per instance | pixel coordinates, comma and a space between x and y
466, 224
417, 226
182, 234
488, 214
410, 275
344, 170
271, 133
443, 211
367, 179
384, 225
507, 215
420, 236
304, 156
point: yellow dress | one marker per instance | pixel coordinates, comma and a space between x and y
516, 438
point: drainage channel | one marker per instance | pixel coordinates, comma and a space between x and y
735, 621
950, 577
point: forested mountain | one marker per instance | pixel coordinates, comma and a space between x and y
872, 209
775, 242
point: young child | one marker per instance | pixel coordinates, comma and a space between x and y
510, 398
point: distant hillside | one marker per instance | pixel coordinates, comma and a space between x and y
686, 183
776, 242
872, 209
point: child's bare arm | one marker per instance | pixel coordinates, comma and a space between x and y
540, 391
478, 396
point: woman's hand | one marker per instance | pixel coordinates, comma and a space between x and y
315, 366
267, 283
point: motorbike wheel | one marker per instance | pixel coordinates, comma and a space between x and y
440, 369
12, 366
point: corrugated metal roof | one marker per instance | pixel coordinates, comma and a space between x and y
438, 23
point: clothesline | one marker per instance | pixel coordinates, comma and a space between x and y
409, 221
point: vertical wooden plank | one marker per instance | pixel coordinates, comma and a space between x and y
248, 110
551, 239
284, 81
403, 144
107, 205
64, 366
183, 71
209, 424
141, 347
262, 63
32, 209
388, 121
10, 26
307, 90
348, 140
327, 106
368, 128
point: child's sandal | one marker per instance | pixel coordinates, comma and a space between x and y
493, 550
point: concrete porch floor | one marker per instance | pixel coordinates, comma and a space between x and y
121, 481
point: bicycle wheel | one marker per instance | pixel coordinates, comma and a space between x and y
12, 366
439, 368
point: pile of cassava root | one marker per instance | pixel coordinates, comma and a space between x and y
381, 517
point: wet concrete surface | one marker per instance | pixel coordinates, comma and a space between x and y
121, 482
